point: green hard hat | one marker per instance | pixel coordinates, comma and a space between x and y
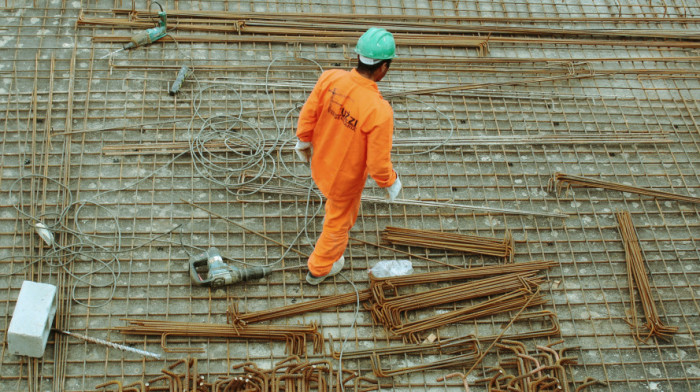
377, 44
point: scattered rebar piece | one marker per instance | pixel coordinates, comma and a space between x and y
452, 361
552, 330
171, 380
451, 241
500, 335
295, 336
315, 305
561, 180
543, 371
589, 382
460, 375
637, 276
288, 375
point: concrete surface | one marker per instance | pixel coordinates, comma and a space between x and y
122, 216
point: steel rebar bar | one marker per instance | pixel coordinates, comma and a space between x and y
235, 317
561, 180
451, 241
637, 276
295, 336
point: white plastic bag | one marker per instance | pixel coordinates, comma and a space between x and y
387, 268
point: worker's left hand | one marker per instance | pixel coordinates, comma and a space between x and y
393, 191
303, 150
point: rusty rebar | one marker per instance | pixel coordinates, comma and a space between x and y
451, 241
637, 276
288, 375
561, 181
513, 282
235, 317
295, 336
343, 30
531, 374
507, 302
445, 346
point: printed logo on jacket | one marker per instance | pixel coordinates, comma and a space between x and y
339, 112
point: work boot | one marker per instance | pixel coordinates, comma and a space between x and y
337, 267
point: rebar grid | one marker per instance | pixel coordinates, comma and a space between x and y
62, 109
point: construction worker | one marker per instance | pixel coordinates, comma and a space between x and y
345, 131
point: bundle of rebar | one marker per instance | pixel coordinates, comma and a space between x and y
379, 285
513, 300
390, 308
295, 336
637, 276
381, 288
390, 311
450, 241
561, 180
315, 305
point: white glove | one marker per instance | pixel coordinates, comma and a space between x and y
303, 150
393, 190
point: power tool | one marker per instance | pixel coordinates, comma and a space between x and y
181, 75
147, 37
219, 273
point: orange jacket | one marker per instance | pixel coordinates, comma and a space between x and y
350, 127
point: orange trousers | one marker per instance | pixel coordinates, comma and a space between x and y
340, 218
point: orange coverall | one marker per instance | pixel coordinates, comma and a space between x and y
350, 127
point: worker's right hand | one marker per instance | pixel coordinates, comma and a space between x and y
393, 191
303, 150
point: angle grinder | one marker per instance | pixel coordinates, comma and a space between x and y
217, 273
146, 37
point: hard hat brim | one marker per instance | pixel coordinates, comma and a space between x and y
369, 61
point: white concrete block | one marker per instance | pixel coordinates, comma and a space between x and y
32, 319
